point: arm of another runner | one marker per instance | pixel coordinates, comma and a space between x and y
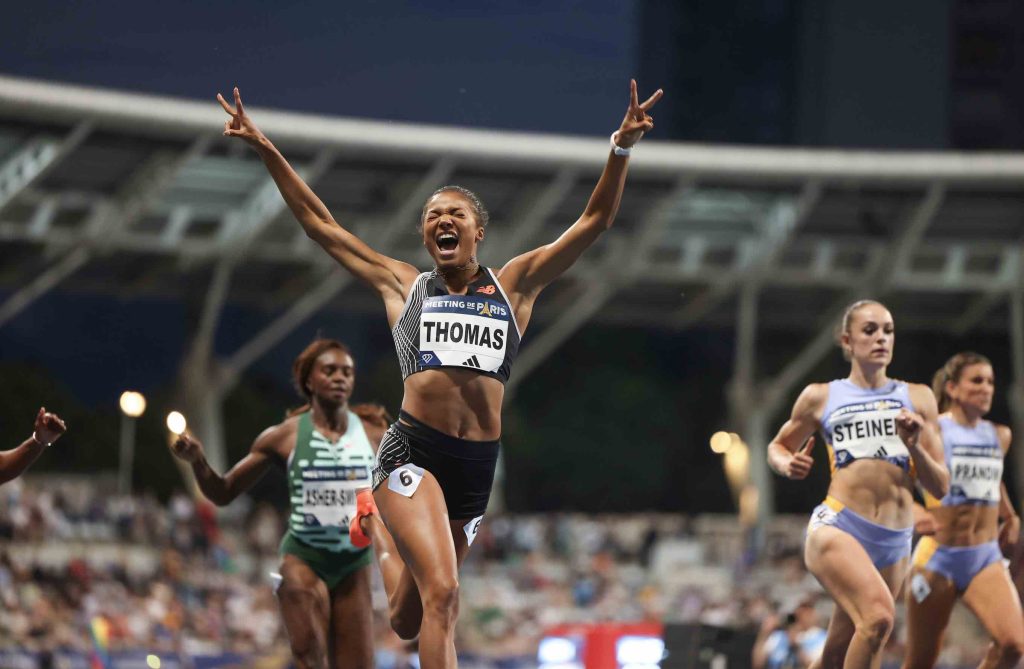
1009, 528
387, 276
529, 273
789, 453
221, 490
48, 428
921, 435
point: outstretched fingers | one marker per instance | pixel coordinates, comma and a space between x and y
651, 101
238, 102
224, 104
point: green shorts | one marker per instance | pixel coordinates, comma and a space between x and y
332, 567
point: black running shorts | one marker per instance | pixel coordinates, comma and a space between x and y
464, 469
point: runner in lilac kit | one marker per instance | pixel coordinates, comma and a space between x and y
881, 435
963, 557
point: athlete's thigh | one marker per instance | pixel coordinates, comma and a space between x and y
352, 622
305, 604
930, 598
895, 576
419, 525
843, 568
993, 598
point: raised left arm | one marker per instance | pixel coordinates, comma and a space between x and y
529, 273
920, 432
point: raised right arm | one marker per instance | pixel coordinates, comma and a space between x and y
48, 429
789, 452
221, 490
387, 276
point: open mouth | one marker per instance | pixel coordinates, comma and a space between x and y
447, 242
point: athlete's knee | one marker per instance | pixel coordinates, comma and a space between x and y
296, 595
308, 652
405, 624
877, 624
1010, 650
441, 598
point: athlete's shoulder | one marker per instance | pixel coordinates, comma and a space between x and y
1004, 434
922, 397
278, 438
812, 400
815, 392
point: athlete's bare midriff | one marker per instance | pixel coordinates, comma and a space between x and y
877, 490
460, 403
966, 524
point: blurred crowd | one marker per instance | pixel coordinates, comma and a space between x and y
80, 566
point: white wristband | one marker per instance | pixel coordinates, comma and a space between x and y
40, 441
619, 150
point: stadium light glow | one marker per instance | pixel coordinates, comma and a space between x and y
176, 422
720, 442
133, 404
737, 465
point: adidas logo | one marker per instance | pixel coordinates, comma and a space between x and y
471, 362
881, 452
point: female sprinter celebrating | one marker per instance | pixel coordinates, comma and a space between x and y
456, 329
881, 433
963, 557
327, 451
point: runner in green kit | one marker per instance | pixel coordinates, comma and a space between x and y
327, 450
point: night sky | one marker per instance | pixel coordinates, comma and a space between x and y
548, 66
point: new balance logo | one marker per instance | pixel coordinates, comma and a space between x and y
471, 362
486, 290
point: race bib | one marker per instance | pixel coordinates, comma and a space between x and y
975, 472
919, 588
867, 430
329, 494
405, 480
463, 331
471, 528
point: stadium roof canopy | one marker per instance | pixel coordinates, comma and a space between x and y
130, 194
126, 192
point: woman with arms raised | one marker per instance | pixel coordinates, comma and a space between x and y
456, 330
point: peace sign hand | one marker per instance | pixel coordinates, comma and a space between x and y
240, 125
637, 120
